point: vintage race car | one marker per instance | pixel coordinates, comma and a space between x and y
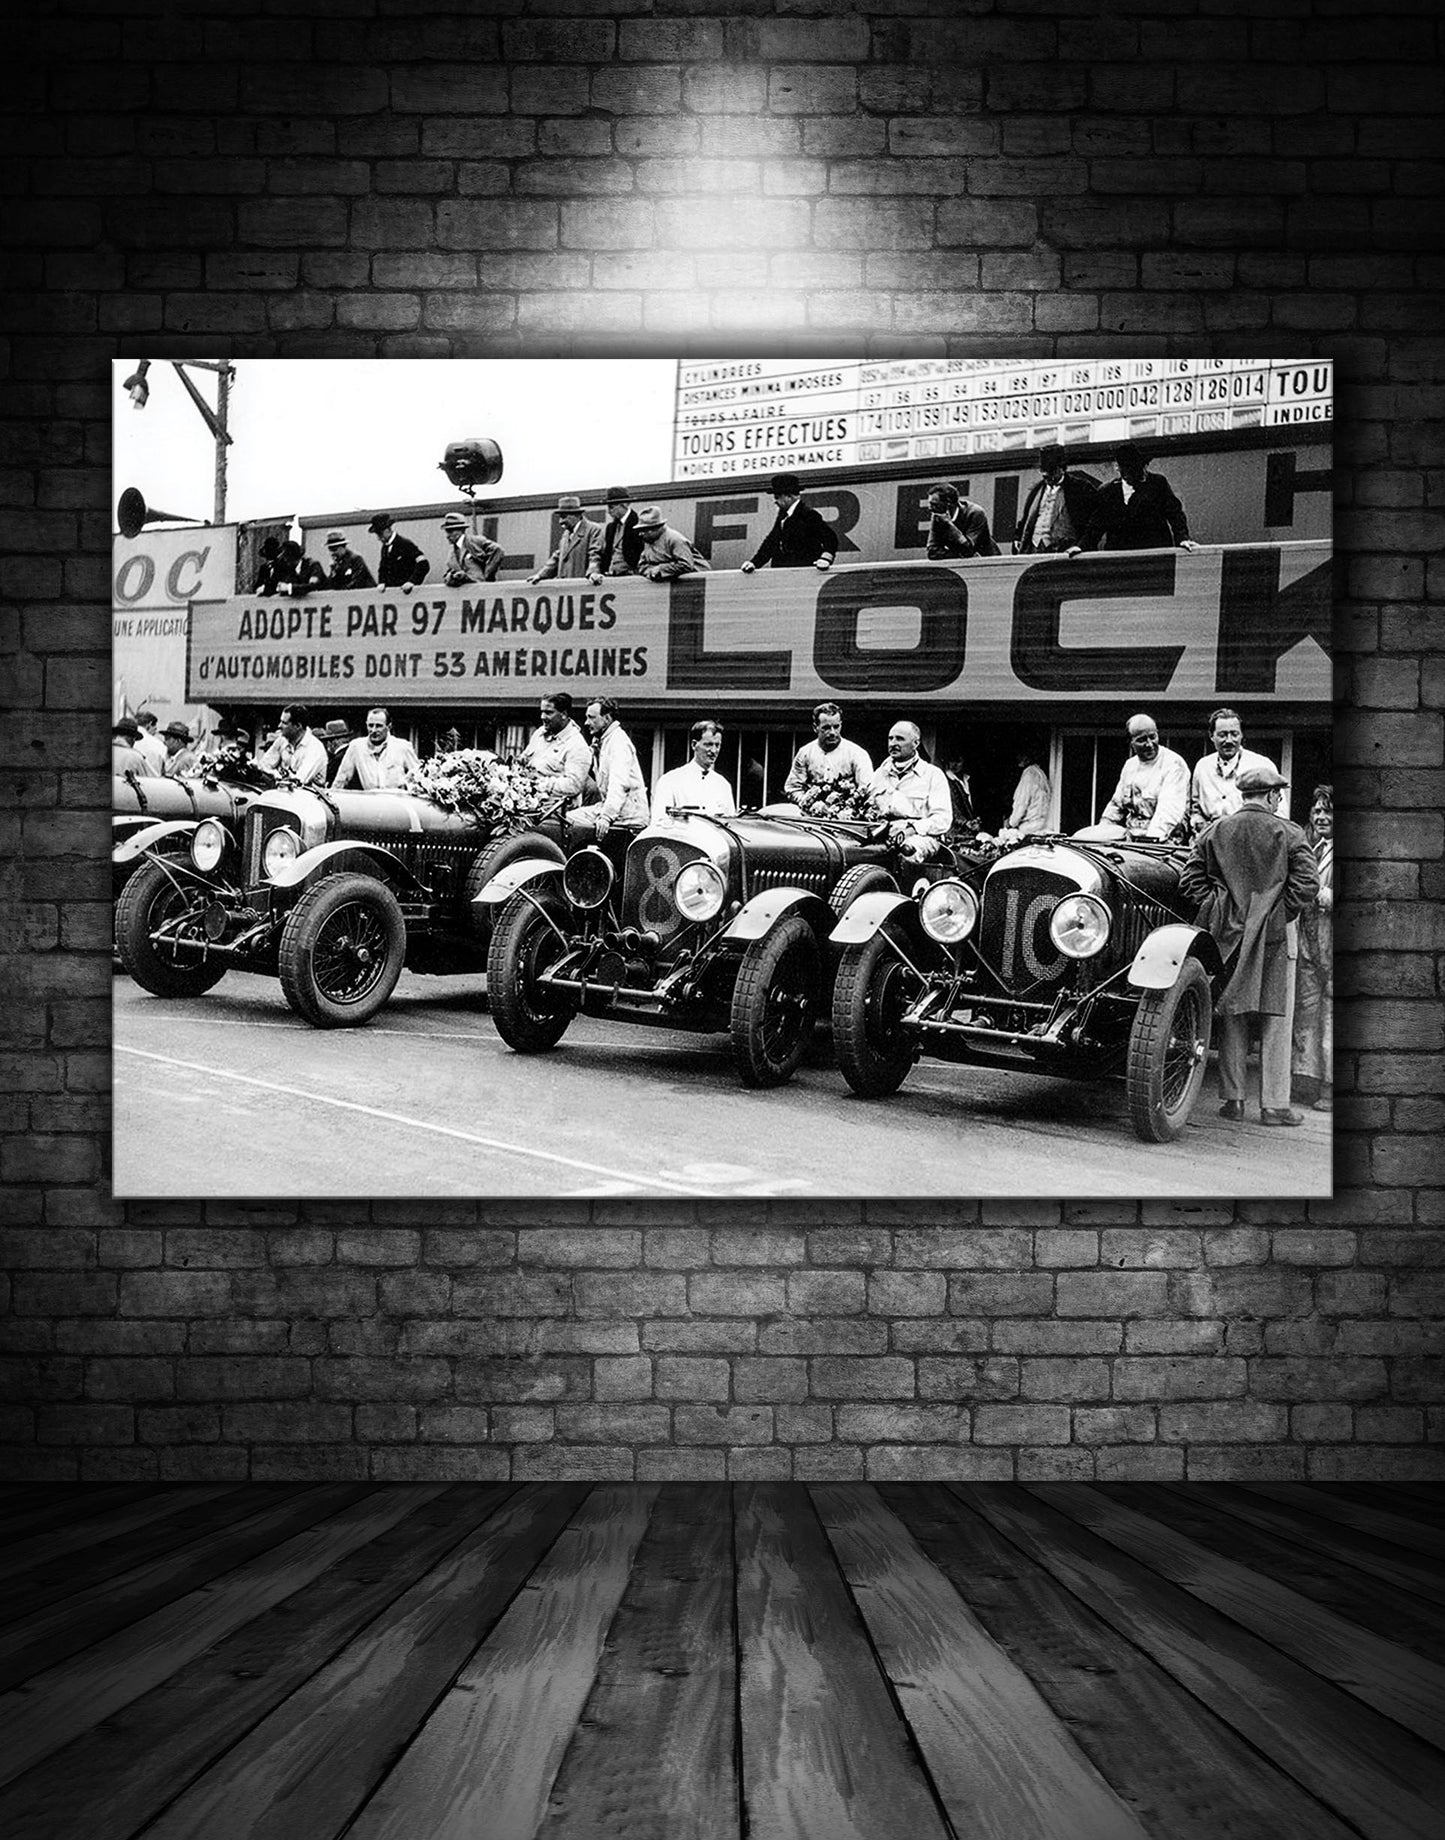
713, 924
332, 892
161, 814
1075, 958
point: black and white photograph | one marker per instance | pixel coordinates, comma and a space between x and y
723, 778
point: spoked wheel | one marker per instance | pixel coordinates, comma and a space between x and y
342, 950
525, 944
776, 1002
1168, 1050
870, 998
151, 904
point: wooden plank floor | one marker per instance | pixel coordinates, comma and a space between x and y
776, 1661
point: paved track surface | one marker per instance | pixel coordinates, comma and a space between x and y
231, 1095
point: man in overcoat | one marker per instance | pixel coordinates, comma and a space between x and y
1252, 874
1137, 510
578, 546
400, 564
799, 538
1056, 512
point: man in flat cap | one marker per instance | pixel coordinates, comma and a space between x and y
470, 557
799, 538
401, 564
666, 553
621, 541
1252, 874
578, 547
347, 568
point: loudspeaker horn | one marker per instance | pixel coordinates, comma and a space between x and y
473, 463
132, 514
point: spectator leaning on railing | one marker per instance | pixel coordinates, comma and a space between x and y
666, 553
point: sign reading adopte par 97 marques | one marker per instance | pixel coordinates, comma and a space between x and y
1247, 622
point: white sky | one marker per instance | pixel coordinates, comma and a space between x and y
340, 434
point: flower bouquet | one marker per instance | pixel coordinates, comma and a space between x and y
836, 798
229, 764
504, 794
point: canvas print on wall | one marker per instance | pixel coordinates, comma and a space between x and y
720, 778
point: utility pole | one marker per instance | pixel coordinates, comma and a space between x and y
215, 419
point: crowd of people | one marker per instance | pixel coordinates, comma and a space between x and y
1066, 512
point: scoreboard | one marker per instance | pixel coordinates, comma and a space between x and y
749, 415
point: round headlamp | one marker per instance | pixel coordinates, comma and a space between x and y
208, 846
587, 879
1079, 925
949, 912
280, 849
699, 891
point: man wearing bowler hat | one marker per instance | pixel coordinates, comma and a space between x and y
621, 541
470, 557
799, 538
578, 547
1252, 874
347, 568
401, 564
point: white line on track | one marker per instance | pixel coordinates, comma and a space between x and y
421, 1124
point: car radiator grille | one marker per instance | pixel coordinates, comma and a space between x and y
1014, 930
259, 826
1132, 926
652, 867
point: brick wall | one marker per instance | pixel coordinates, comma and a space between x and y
1013, 178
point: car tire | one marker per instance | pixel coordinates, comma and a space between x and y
150, 898
870, 993
1168, 1051
489, 861
862, 878
342, 950
776, 1002
524, 944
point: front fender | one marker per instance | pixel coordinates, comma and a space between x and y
870, 913
1156, 964
760, 915
347, 853
505, 883
166, 833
